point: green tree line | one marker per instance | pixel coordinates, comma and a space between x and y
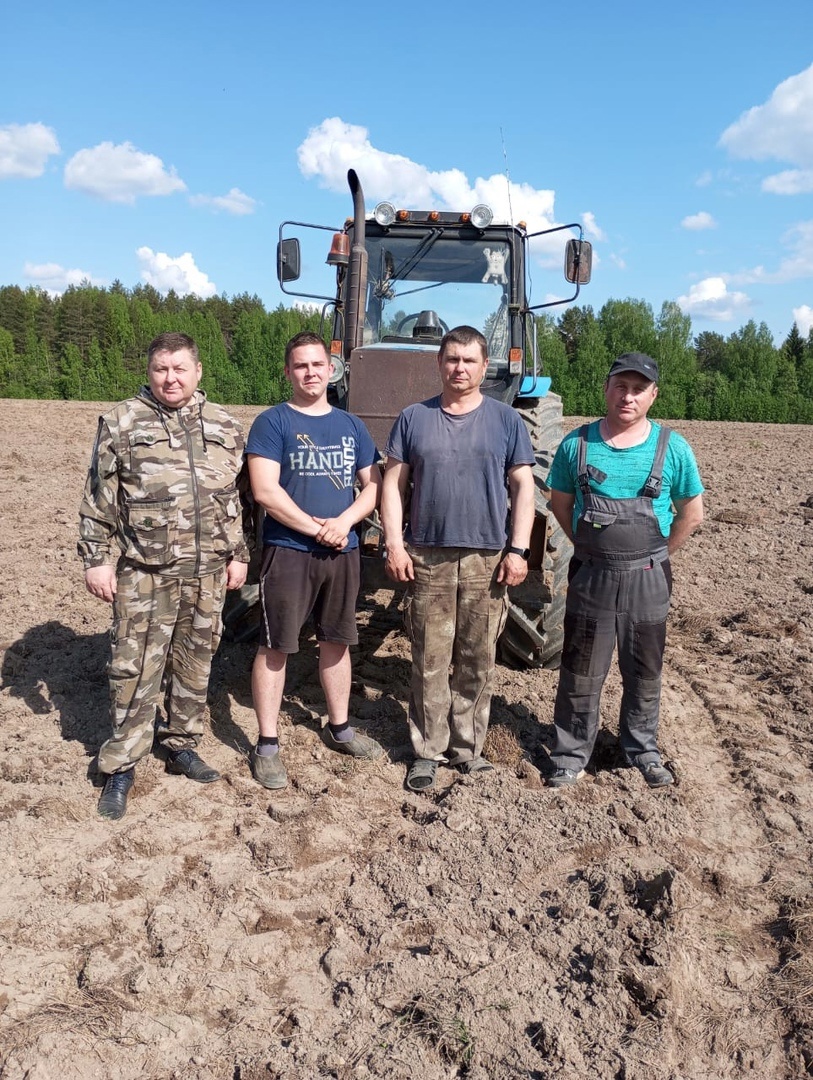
90, 344
708, 377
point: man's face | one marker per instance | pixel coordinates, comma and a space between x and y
629, 397
309, 370
462, 367
174, 377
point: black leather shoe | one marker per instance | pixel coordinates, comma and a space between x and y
113, 800
189, 763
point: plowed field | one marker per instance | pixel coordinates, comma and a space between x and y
348, 928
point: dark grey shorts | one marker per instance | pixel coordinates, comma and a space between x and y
296, 584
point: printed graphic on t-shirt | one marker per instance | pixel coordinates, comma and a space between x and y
336, 462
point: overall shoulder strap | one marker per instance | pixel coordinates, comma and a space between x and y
582, 476
652, 488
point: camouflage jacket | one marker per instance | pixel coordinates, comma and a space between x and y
162, 488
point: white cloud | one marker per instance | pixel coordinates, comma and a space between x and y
780, 129
592, 230
704, 179
799, 264
55, 279
790, 182
710, 299
164, 272
803, 317
334, 146
25, 149
120, 173
619, 261
701, 220
234, 202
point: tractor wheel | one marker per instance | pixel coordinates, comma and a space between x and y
242, 614
534, 629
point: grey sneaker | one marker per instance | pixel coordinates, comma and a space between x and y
268, 771
361, 747
655, 774
564, 777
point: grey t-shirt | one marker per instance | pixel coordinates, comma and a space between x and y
459, 468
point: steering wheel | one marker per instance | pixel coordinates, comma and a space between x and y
416, 315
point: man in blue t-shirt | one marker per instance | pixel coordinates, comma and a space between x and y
628, 494
304, 458
462, 453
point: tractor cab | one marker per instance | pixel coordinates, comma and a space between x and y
403, 279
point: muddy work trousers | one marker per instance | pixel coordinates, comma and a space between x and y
604, 607
165, 632
454, 615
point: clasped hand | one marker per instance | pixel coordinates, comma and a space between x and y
332, 532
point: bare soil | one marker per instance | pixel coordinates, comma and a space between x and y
348, 928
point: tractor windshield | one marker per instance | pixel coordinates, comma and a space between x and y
421, 284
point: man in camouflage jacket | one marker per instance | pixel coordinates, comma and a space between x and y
161, 538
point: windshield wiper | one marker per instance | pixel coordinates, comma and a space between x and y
382, 289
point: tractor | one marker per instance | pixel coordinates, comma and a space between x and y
403, 278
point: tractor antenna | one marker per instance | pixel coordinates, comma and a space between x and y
507, 176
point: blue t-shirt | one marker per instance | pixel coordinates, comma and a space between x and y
459, 468
319, 457
627, 471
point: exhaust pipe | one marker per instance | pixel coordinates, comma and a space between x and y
357, 272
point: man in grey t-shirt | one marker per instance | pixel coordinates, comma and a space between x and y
463, 453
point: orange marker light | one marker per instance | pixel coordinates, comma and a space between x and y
339, 254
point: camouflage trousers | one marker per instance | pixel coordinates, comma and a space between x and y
165, 632
455, 611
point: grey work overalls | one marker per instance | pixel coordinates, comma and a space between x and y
620, 591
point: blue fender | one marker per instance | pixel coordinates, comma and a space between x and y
531, 387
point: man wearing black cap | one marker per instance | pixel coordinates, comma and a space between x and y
628, 493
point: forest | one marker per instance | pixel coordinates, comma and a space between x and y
89, 343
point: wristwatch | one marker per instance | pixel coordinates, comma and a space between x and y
524, 553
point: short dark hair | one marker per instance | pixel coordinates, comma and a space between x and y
304, 337
171, 342
463, 335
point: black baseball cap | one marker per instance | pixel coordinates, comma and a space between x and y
635, 361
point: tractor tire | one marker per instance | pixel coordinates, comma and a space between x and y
242, 614
534, 629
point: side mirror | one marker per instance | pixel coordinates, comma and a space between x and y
288, 260
578, 261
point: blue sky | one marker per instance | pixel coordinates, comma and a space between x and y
165, 142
